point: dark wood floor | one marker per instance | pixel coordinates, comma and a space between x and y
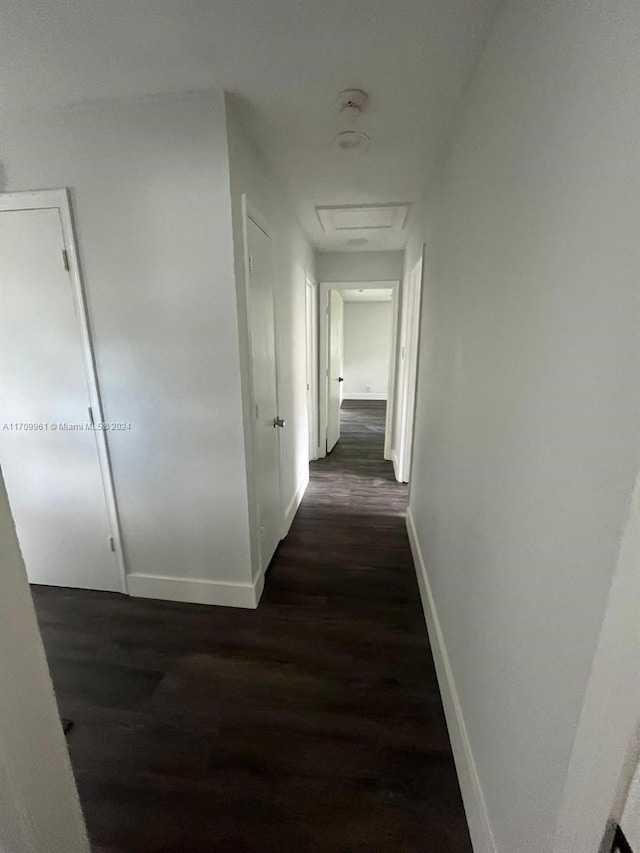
311, 724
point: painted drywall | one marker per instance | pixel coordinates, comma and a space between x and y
359, 266
149, 182
39, 808
367, 346
288, 59
528, 409
293, 260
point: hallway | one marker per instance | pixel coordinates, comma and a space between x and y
313, 723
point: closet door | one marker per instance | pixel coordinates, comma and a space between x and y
48, 451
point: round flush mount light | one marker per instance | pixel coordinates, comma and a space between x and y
352, 141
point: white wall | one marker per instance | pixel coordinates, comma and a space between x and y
293, 259
367, 346
39, 809
359, 266
149, 180
528, 414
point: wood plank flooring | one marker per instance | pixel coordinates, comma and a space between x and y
312, 724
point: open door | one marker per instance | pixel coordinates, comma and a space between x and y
334, 376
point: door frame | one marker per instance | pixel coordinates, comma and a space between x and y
323, 361
311, 317
251, 212
409, 340
59, 199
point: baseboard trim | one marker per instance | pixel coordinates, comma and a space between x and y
294, 503
196, 590
354, 395
474, 805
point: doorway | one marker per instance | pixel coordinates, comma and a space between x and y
53, 447
358, 323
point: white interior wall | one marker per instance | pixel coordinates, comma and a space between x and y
149, 181
528, 412
293, 260
367, 346
39, 808
359, 266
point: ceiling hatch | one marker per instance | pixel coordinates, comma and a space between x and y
373, 217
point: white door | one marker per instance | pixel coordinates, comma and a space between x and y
334, 377
265, 390
48, 454
409, 368
312, 369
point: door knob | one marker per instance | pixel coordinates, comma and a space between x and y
340, 379
278, 422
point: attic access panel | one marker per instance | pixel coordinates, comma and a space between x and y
376, 217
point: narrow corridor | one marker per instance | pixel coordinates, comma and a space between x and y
311, 724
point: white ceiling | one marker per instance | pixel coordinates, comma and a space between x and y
286, 60
380, 294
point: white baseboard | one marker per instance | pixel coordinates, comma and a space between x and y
355, 395
196, 590
294, 503
474, 805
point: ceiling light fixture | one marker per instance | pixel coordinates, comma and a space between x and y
352, 141
352, 102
